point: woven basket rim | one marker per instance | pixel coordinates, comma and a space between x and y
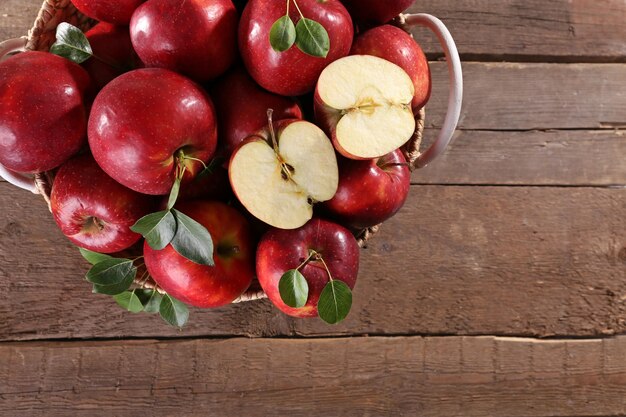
42, 35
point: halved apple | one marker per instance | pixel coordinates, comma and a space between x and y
364, 103
279, 175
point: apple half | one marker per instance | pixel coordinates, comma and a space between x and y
364, 103
279, 175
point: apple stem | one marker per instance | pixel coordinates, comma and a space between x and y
270, 123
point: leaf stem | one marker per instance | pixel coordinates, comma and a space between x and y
330, 276
312, 253
298, 7
197, 160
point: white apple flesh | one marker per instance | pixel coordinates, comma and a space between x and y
279, 183
364, 103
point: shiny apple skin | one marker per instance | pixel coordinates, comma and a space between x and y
112, 44
375, 12
397, 46
43, 121
82, 191
208, 286
197, 38
141, 119
282, 250
117, 12
241, 107
370, 191
291, 73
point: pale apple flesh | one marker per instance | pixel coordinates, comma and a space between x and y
280, 185
364, 102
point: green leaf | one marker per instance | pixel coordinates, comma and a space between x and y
173, 311
118, 288
150, 300
129, 301
192, 240
158, 228
174, 194
93, 257
111, 271
312, 38
335, 302
71, 44
293, 288
282, 34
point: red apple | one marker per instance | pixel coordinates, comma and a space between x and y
282, 250
370, 192
43, 120
117, 12
114, 51
242, 106
143, 121
94, 211
291, 73
397, 46
197, 38
201, 285
375, 12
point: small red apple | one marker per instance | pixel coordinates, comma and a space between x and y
242, 106
94, 211
201, 285
292, 72
371, 191
282, 250
117, 12
114, 51
397, 46
375, 12
43, 121
144, 123
197, 38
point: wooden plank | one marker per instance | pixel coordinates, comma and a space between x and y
434, 376
17, 17
534, 261
512, 96
563, 30
558, 157
523, 30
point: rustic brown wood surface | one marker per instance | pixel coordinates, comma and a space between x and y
400, 376
518, 230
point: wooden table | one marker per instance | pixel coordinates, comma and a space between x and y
500, 289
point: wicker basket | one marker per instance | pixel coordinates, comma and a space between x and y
53, 12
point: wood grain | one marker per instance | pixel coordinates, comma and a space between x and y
557, 157
464, 260
433, 376
512, 96
538, 30
17, 16
557, 30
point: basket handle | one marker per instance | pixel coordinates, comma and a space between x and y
455, 98
19, 180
